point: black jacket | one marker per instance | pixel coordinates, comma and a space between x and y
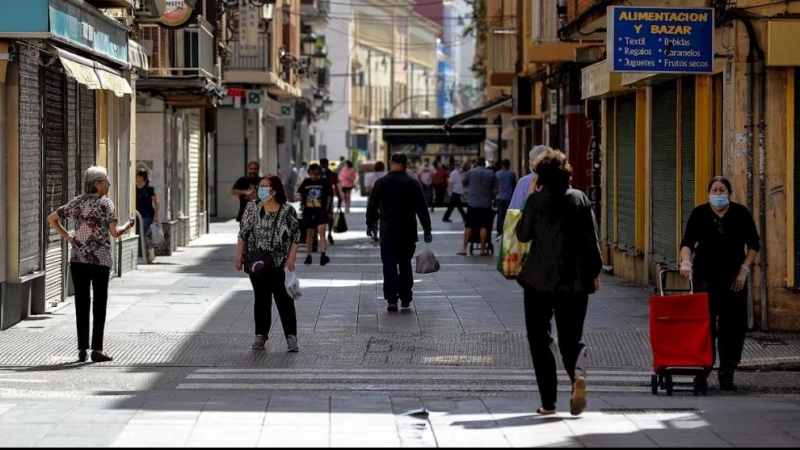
565, 253
397, 199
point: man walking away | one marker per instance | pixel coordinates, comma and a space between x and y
333, 179
397, 200
440, 183
506, 181
455, 186
291, 181
482, 186
245, 187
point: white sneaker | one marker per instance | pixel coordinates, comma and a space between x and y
291, 343
260, 342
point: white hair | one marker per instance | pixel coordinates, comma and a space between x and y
536, 151
91, 177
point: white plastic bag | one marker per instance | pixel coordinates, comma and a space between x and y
156, 234
426, 261
292, 284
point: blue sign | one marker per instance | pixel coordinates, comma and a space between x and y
660, 40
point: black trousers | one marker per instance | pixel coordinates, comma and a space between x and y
728, 312
440, 190
570, 312
84, 277
266, 285
502, 209
398, 276
455, 202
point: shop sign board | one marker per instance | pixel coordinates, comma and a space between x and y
660, 40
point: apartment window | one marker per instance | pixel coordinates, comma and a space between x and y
504, 50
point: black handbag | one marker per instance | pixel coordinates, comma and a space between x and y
254, 262
339, 222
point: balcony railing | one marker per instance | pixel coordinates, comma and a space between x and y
184, 52
258, 62
315, 10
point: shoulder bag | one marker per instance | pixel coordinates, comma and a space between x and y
255, 261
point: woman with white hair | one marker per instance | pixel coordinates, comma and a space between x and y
95, 218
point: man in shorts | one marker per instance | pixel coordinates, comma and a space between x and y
482, 185
333, 179
316, 197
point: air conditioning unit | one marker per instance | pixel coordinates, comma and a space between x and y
150, 9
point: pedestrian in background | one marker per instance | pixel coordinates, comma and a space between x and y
425, 176
525, 185
291, 181
95, 222
506, 181
482, 186
302, 174
723, 237
397, 200
561, 270
270, 224
440, 183
347, 176
455, 187
332, 178
316, 196
147, 207
245, 187
378, 170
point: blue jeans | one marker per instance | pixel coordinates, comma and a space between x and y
146, 221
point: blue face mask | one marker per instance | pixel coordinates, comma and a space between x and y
264, 193
719, 202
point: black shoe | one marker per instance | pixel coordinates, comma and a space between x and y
324, 260
308, 260
391, 306
446, 220
82, 356
99, 357
728, 386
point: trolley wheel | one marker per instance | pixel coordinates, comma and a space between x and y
654, 384
471, 249
668, 383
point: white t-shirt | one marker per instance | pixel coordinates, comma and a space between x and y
426, 174
458, 184
371, 179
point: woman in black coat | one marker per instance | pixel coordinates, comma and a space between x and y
560, 272
723, 237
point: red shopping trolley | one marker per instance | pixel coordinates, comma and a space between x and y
680, 337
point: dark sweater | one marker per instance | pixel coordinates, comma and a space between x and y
565, 251
397, 200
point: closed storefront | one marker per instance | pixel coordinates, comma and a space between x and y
688, 149
193, 184
626, 172
664, 146
54, 139
609, 185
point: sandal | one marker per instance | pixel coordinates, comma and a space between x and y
461, 253
545, 412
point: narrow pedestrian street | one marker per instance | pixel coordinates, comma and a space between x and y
453, 371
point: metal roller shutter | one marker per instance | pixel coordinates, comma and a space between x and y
30, 163
54, 163
796, 177
87, 113
73, 173
626, 172
193, 183
609, 184
687, 150
664, 173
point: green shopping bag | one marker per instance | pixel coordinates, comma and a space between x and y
512, 252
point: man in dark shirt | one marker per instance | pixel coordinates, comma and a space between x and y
332, 178
316, 197
397, 199
245, 187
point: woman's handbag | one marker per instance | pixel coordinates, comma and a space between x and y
254, 262
339, 222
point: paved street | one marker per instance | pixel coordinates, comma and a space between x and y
184, 374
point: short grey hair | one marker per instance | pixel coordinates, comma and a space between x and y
536, 151
91, 177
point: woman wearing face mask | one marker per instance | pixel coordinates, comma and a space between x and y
723, 237
270, 224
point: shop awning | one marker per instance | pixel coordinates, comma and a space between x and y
488, 106
92, 74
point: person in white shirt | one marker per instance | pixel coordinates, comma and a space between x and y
379, 170
425, 177
455, 186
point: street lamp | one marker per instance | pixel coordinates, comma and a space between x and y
318, 58
327, 105
309, 44
318, 99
